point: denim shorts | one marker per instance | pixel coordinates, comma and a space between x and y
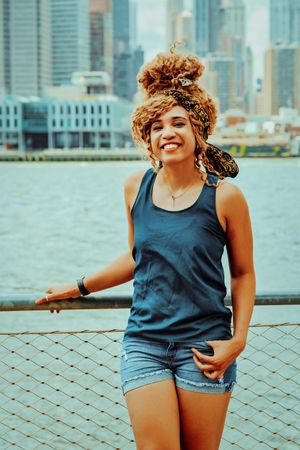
144, 362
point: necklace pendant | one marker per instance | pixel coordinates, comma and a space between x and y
173, 198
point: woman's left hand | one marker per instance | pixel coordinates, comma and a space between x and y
225, 352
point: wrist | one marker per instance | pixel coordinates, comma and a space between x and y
82, 288
239, 341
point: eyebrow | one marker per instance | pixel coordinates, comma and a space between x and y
173, 118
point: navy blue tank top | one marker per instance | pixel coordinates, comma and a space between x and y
178, 284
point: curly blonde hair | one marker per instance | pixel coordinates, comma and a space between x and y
164, 72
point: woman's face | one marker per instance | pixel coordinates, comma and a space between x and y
172, 137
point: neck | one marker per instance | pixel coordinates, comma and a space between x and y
179, 176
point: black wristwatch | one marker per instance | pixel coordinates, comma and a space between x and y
81, 287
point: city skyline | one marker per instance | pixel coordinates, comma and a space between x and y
257, 29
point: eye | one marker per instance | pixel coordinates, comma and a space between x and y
156, 128
179, 124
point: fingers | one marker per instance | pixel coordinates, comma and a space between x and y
207, 365
203, 366
44, 299
208, 359
214, 375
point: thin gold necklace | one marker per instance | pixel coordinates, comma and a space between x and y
175, 197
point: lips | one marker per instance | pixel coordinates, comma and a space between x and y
170, 147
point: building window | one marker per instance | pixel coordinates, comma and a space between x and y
69, 109
99, 109
16, 123
7, 123
61, 109
0, 123
76, 109
84, 122
107, 109
92, 109
53, 109
84, 109
100, 122
53, 123
107, 121
77, 123
7, 110
0, 110
61, 123
92, 122
15, 110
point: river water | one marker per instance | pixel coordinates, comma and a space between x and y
60, 221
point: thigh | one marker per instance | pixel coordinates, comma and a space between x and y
154, 415
202, 418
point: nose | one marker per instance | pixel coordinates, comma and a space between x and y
167, 132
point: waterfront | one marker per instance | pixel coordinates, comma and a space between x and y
62, 220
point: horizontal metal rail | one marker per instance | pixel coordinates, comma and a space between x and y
26, 302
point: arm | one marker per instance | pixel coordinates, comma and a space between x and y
235, 219
119, 271
240, 255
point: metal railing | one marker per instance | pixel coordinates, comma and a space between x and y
61, 390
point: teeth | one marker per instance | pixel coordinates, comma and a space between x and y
170, 146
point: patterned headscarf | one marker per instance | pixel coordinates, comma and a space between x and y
221, 161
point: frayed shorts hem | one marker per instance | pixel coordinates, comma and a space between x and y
166, 374
209, 388
143, 380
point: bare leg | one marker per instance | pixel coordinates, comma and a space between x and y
154, 415
202, 418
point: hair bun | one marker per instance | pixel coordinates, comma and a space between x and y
169, 71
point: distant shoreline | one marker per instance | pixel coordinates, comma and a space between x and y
99, 155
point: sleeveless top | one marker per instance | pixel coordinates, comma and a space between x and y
178, 284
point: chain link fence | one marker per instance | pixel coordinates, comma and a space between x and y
61, 390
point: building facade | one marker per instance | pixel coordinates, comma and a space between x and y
222, 69
101, 36
209, 18
233, 40
122, 56
91, 122
174, 8
25, 46
70, 39
284, 22
282, 81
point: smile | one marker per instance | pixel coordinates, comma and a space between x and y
170, 147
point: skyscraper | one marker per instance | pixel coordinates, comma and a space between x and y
222, 69
123, 73
208, 25
233, 40
101, 36
249, 98
4, 47
174, 8
25, 46
282, 81
284, 21
70, 39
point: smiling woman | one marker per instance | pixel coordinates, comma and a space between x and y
178, 360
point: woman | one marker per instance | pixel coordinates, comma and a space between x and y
178, 364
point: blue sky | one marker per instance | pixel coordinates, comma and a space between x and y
151, 16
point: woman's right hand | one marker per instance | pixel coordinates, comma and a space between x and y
60, 292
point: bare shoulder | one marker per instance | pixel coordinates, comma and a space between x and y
131, 186
230, 198
229, 191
